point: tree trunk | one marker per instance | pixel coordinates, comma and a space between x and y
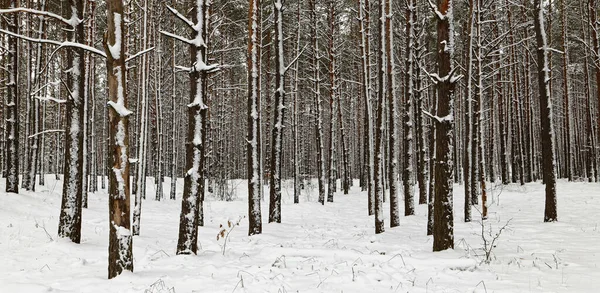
254, 216
70, 215
276, 145
547, 133
120, 254
443, 230
12, 105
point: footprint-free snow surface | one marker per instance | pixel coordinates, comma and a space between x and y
330, 248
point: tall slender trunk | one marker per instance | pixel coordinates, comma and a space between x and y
468, 124
364, 14
254, 216
379, 132
140, 174
331, 181
316, 62
546, 117
12, 105
276, 145
295, 121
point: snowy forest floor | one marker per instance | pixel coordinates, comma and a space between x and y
329, 248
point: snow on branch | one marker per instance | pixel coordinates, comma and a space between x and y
434, 9
120, 108
138, 54
447, 118
550, 49
295, 59
180, 16
56, 43
71, 22
180, 38
51, 99
46, 131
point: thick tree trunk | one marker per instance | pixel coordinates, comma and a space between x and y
191, 203
120, 254
70, 215
443, 230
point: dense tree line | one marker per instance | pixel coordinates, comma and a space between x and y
120, 94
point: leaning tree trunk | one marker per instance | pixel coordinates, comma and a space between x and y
546, 117
120, 254
443, 229
70, 214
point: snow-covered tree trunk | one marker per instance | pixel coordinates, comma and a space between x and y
316, 79
279, 112
140, 166
422, 145
333, 92
468, 110
191, 203
120, 246
566, 95
480, 95
92, 98
159, 118
347, 179
365, 46
379, 132
254, 213
33, 145
443, 234
590, 136
297, 155
409, 91
12, 105
546, 117
173, 165
70, 215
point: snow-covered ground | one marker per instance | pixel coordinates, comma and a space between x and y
329, 248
